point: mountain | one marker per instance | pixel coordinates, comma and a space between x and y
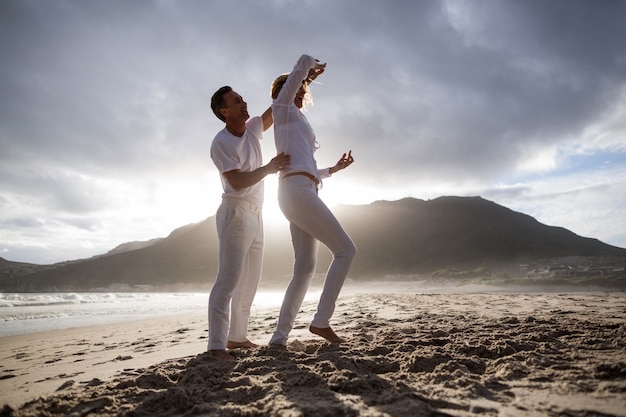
129, 246
187, 256
408, 236
416, 235
10, 272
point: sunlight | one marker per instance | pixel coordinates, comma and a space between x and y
272, 216
333, 193
184, 202
338, 191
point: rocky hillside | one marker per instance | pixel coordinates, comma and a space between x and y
409, 236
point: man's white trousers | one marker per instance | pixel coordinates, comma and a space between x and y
240, 232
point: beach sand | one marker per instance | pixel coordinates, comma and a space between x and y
487, 354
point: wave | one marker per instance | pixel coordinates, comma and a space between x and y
35, 312
55, 299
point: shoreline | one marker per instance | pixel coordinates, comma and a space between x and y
267, 298
519, 354
90, 353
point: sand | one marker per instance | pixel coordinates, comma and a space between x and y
487, 354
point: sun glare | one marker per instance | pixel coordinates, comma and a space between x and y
179, 202
271, 211
332, 195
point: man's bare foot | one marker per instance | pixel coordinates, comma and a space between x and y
222, 356
238, 345
327, 333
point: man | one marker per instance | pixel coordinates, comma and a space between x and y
236, 152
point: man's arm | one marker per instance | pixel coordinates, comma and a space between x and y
267, 118
241, 179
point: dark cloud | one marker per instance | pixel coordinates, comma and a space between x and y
95, 94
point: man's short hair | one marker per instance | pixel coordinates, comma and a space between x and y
218, 102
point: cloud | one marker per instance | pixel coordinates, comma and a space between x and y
104, 112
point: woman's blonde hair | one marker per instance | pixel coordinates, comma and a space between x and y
278, 83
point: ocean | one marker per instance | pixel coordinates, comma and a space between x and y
22, 313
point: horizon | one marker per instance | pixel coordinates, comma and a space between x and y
105, 126
273, 224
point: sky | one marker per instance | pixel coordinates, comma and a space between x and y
105, 123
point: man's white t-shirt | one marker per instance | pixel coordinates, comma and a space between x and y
230, 152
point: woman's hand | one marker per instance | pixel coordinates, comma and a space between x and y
314, 72
344, 162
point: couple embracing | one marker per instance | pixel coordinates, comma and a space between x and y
236, 152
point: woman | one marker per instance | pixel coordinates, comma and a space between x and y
310, 220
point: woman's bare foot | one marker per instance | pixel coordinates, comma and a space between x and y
222, 356
327, 333
277, 346
238, 345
